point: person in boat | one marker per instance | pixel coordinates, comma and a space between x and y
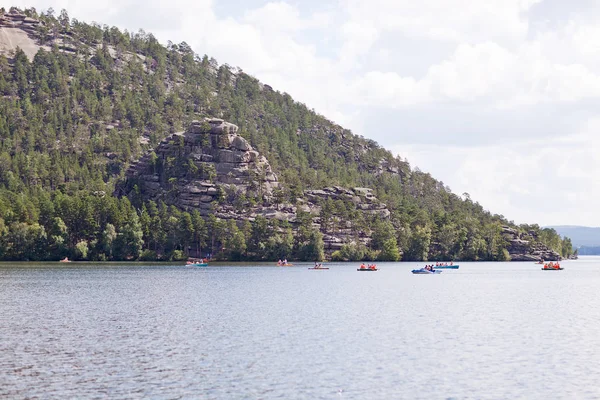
285, 261
363, 266
279, 263
372, 266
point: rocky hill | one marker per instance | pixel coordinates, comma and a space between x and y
209, 167
203, 158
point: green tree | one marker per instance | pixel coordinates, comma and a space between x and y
390, 251
81, 250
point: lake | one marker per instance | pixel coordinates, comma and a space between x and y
485, 331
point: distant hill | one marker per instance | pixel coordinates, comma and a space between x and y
580, 235
585, 239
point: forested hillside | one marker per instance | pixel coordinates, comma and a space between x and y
94, 100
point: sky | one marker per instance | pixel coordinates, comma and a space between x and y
498, 98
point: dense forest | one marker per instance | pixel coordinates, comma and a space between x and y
97, 98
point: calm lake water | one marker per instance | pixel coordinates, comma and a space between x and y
485, 331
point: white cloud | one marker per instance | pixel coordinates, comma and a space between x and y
282, 17
446, 20
547, 181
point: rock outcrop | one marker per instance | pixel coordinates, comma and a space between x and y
18, 30
522, 248
209, 167
198, 168
340, 232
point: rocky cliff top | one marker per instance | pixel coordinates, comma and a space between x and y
18, 30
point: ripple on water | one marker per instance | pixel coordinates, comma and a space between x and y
486, 331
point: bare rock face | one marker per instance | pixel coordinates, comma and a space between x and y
18, 30
209, 167
339, 231
198, 168
526, 249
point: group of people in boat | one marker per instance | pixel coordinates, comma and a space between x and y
552, 265
369, 266
439, 264
318, 265
282, 263
431, 267
197, 261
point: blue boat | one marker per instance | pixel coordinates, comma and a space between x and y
423, 271
446, 266
196, 263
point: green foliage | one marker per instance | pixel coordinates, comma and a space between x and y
177, 255
81, 250
419, 245
350, 252
389, 251
313, 249
148, 255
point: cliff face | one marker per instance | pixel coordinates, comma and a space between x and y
199, 167
522, 248
18, 30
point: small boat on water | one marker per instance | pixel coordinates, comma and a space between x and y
424, 271
447, 266
197, 263
285, 265
318, 268
552, 267
367, 267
